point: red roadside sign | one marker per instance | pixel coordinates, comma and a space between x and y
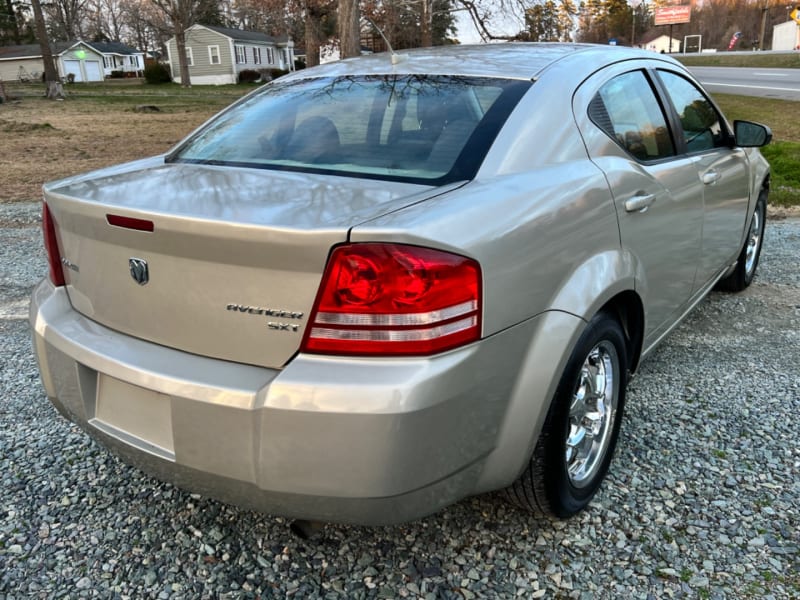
669, 15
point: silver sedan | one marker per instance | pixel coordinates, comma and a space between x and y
370, 289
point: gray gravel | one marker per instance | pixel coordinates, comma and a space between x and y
701, 502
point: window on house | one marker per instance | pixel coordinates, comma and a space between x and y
213, 55
270, 57
241, 55
189, 57
106, 62
257, 56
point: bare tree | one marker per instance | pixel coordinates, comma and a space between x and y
483, 12
66, 17
54, 88
319, 26
8, 22
106, 20
181, 14
349, 30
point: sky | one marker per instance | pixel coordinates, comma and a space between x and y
468, 34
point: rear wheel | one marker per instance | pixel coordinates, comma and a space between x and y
579, 435
747, 262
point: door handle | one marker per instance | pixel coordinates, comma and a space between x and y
711, 176
639, 203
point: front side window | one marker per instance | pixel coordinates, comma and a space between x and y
213, 55
627, 109
257, 56
189, 57
701, 124
404, 128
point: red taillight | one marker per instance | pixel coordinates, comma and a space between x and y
51, 246
393, 299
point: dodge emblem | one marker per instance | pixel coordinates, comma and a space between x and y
139, 270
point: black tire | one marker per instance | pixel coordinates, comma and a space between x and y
551, 484
747, 263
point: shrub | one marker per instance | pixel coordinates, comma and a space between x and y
70, 77
249, 76
117, 74
157, 73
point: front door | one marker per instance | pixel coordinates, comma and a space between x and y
721, 168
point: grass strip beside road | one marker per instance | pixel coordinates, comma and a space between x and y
759, 60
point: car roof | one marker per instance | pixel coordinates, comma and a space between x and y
507, 60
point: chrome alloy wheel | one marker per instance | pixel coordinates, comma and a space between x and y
592, 413
753, 242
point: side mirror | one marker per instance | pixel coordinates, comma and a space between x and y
751, 135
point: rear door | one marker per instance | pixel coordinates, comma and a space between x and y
658, 196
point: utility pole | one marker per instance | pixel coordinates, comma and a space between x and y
634, 5
764, 12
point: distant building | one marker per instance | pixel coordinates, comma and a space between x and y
75, 60
661, 44
786, 36
216, 55
119, 57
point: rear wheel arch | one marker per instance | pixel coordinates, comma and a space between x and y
628, 309
567, 465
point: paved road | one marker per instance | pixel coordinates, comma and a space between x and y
765, 83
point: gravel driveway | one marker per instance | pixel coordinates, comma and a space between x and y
701, 501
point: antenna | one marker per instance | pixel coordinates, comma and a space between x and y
396, 58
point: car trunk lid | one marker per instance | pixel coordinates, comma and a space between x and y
214, 261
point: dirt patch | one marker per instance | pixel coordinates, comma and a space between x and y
783, 212
44, 140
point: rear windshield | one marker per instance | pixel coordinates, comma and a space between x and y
420, 129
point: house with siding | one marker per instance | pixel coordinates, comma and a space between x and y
79, 59
119, 57
216, 55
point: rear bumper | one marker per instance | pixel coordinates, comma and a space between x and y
371, 441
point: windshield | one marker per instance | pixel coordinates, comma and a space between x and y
415, 128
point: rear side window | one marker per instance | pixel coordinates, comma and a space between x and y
416, 128
701, 124
627, 109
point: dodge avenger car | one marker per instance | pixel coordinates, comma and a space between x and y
373, 288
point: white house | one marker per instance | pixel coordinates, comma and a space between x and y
786, 36
119, 57
216, 55
662, 44
79, 59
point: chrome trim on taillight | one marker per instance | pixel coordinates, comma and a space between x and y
396, 320
394, 335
